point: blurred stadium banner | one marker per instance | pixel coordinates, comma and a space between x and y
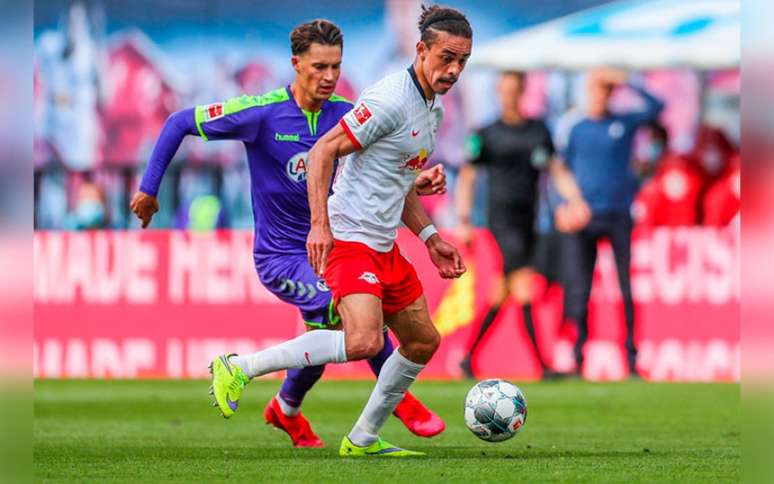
160, 304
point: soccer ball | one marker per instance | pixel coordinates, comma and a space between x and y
495, 410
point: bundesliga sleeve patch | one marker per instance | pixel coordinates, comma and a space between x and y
362, 114
213, 111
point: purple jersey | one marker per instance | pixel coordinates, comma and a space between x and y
278, 135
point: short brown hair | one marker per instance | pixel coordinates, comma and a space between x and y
319, 31
435, 18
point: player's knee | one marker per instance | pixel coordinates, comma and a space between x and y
364, 346
423, 349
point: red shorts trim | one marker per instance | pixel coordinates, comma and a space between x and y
355, 268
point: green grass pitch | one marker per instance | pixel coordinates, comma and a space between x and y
159, 431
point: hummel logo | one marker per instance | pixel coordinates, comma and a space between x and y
286, 137
414, 133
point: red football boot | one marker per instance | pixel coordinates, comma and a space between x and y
417, 418
296, 427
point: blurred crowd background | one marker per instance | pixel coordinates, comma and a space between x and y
107, 75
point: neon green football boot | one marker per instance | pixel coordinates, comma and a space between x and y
228, 380
380, 448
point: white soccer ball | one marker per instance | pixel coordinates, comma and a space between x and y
495, 410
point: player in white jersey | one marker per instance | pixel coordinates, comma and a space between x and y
389, 134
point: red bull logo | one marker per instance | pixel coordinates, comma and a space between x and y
416, 163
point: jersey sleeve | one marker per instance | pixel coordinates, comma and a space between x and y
651, 111
373, 117
179, 125
474, 148
544, 150
236, 119
563, 131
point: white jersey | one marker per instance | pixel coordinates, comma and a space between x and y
393, 128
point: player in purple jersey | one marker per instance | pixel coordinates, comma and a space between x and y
278, 129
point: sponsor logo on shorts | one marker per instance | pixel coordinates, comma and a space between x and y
322, 286
213, 111
296, 167
369, 277
362, 114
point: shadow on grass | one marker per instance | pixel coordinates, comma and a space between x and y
167, 453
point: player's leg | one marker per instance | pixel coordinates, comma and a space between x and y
290, 279
579, 254
521, 283
283, 411
620, 234
498, 294
298, 285
418, 341
410, 322
511, 244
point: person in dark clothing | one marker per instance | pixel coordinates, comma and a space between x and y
598, 151
515, 150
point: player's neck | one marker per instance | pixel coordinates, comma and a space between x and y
512, 117
429, 93
304, 100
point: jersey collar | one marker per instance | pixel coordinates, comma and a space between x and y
415, 80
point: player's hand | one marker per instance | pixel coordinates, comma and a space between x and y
431, 182
573, 216
445, 257
609, 75
144, 206
319, 243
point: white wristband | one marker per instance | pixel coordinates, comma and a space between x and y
427, 232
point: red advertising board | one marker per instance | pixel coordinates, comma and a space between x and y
161, 304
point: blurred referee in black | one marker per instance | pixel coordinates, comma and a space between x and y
514, 149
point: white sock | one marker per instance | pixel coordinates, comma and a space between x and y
287, 409
397, 374
309, 349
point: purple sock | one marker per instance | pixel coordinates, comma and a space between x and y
297, 382
377, 361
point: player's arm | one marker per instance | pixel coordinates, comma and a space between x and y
334, 144
653, 105
574, 213
176, 128
466, 184
443, 254
236, 119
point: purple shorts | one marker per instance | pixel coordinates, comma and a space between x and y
291, 278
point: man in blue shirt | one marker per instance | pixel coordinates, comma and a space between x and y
597, 148
278, 129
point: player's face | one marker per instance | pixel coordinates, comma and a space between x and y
599, 94
443, 62
510, 88
318, 70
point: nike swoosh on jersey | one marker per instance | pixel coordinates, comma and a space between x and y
414, 133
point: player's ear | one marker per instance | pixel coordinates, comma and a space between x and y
422, 50
295, 61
